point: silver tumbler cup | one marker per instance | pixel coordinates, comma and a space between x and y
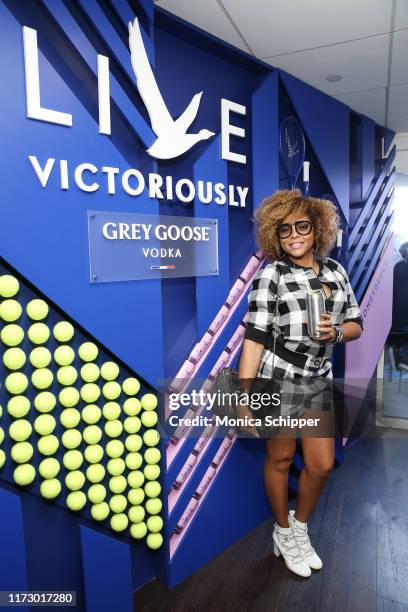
315, 306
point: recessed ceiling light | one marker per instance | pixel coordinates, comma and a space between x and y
333, 78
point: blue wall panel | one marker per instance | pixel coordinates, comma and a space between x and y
13, 563
367, 154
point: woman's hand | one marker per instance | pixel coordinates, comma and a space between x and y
243, 411
326, 328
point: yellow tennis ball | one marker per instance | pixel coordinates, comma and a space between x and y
74, 480
71, 438
50, 489
132, 406
9, 286
149, 401
38, 333
136, 514
131, 386
24, 474
1, 435
67, 375
95, 473
20, 430
92, 434
149, 419
154, 505
63, 331
111, 390
135, 479
117, 484
12, 335
100, 512
118, 503
88, 351
45, 401
152, 455
96, 493
37, 309
114, 449
93, 453
151, 472
91, 414
133, 443
136, 497
134, 461
10, 310
73, 459
119, 522
151, 437
154, 540
152, 488
109, 370
111, 411
69, 397
40, 357
90, 393
70, 418
64, 355
76, 500
138, 530
42, 378
2, 458
116, 467
154, 524
90, 372
44, 424
18, 406
16, 383
22, 452
14, 358
48, 445
1, 411
132, 425
49, 468
113, 429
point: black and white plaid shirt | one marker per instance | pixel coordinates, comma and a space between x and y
296, 355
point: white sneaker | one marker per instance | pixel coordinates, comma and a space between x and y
302, 539
284, 544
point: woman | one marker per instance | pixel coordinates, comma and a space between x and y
296, 234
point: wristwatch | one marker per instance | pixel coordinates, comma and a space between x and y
339, 334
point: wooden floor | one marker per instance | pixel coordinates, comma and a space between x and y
360, 529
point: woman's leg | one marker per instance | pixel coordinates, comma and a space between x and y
279, 454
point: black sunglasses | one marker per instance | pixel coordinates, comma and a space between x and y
302, 227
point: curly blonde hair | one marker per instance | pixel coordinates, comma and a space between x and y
276, 207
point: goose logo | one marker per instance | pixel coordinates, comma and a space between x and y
173, 138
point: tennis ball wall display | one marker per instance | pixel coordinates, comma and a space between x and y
77, 427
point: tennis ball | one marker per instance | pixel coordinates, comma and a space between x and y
14, 358
151, 437
92, 434
95, 472
9, 286
88, 351
70, 417
111, 411
2, 458
116, 467
152, 488
136, 514
154, 540
134, 461
48, 445
111, 390
154, 505
132, 425
89, 372
109, 370
113, 429
133, 443
136, 497
138, 530
45, 401
94, 453
149, 401
49, 468
114, 449
1, 411
18, 406
64, 355
24, 474
151, 472
16, 383
10, 310
20, 430
67, 375
76, 500
50, 489
132, 406
42, 378
118, 503
130, 386
119, 522
90, 392
96, 493
40, 357
1, 435
149, 419
37, 309
12, 334
38, 333
100, 512
155, 524
22, 452
152, 455
73, 459
91, 414
135, 479
117, 484
44, 424
69, 397
71, 438
63, 331
74, 480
